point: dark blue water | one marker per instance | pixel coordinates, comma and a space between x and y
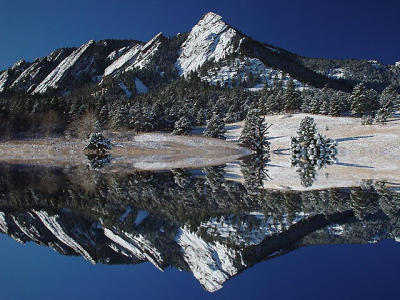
232, 239
319, 272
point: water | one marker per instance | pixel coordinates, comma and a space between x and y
92, 234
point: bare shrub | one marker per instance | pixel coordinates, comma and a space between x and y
83, 127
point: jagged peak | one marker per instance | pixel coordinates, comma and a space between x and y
18, 64
157, 37
210, 38
210, 16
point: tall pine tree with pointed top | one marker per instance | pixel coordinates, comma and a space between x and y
215, 127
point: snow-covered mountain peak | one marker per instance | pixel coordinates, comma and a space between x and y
19, 64
210, 38
209, 17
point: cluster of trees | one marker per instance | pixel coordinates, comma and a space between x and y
175, 103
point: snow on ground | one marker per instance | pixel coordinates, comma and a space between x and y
151, 151
365, 152
336, 73
125, 89
210, 38
141, 88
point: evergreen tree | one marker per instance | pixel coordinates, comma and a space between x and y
388, 100
382, 115
307, 130
315, 103
183, 126
292, 98
215, 127
325, 101
336, 106
255, 131
362, 101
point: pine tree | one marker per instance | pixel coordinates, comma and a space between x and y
255, 132
307, 130
292, 98
215, 127
388, 99
183, 126
336, 106
315, 103
382, 115
362, 101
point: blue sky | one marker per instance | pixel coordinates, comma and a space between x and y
341, 28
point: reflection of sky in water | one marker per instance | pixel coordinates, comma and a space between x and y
197, 221
319, 272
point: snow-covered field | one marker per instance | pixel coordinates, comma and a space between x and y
365, 152
152, 151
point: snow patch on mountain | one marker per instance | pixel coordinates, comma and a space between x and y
34, 72
116, 54
336, 73
3, 80
31, 232
53, 79
210, 38
141, 88
146, 53
250, 229
136, 245
52, 224
125, 89
138, 56
375, 63
124, 59
247, 70
141, 216
3, 223
211, 264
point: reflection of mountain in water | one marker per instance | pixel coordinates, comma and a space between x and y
194, 221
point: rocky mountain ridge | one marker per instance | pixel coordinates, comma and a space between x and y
221, 54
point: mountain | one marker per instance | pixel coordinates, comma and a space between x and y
196, 221
221, 54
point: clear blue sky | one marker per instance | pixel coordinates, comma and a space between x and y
335, 28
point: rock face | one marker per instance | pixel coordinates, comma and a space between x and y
223, 55
137, 56
210, 38
39, 70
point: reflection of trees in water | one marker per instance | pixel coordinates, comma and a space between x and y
215, 210
98, 161
215, 178
255, 172
182, 177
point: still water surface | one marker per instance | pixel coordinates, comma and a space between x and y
87, 234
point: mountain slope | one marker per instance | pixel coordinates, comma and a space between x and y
221, 54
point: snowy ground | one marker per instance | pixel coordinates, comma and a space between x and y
153, 151
365, 152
